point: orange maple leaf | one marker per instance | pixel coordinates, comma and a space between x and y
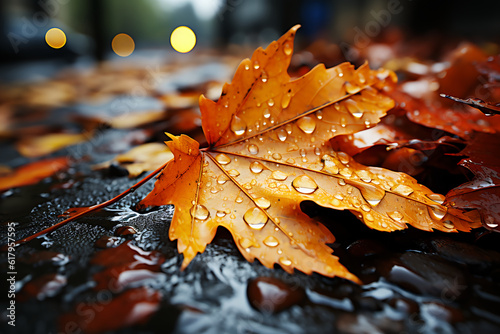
269, 150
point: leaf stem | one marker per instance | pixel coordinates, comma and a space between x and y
92, 208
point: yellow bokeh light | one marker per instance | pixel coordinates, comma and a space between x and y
55, 38
183, 39
123, 45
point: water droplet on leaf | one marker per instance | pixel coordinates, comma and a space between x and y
256, 167
271, 241
282, 135
306, 124
255, 218
304, 184
262, 202
253, 149
222, 159
279, 175
200, 212
238, 126
222, 179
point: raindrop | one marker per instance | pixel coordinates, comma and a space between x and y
222, 159
276, 156
361, 78
365, 208
247, 67
350, 88
343, 157
403, 189
302, 152
283, 187
490, 222
335, 202
266, 113
338, 196
448, 224
288, 128
253, 149
317, 151
272, 185
256, 65
369, 217
353, 108
290, 161
372, 194
220, 214
329, 165
356, 202
214, 190
200, 212
286, 100
438, 198
233, 173
346, 172
306, 124
246, 243
304, 184
396, 215
319, 114
342, 182
271, 241
343, 122
256, 167
279, 175
255, 218
238, 126
239, 200
285, 261
282, 134
222, 179
437, 212
364, 175
264, 77
270, 102
262, 202
287, 49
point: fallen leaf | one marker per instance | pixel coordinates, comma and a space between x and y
140, 158
268, 151
32, 173
458, 121
32, 147
483, 192
486, 108
136, 119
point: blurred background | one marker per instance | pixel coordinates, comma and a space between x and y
76, 71
89, 26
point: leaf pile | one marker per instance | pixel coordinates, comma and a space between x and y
268, 150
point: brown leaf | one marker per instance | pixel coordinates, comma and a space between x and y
140, 158
483, 192
32, 173
269, 150
43, 145
486, 108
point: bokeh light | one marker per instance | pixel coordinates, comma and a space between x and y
183, 39
123, 45
55, 38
